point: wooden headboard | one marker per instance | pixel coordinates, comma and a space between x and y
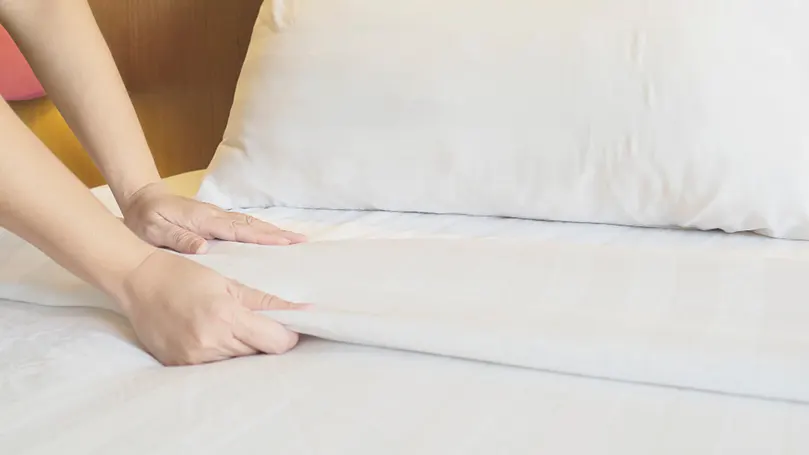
180, 60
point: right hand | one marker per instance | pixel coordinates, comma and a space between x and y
187, 314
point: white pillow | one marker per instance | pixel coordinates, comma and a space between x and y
689, 113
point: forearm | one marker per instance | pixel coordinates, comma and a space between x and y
42, 202
70, 57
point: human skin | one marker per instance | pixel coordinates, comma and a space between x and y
182, 312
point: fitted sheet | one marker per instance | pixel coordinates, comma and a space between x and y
599, 380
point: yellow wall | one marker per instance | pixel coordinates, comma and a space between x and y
45, 121
180, 60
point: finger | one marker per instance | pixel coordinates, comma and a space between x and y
263, 334
255, 300
239, 227
266, 228
183, 241
265, 233
237, 348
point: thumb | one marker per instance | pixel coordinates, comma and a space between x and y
184, 241
255, 300
257, 331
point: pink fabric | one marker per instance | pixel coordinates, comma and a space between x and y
17, 80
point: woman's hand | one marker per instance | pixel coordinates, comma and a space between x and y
184, 225
186, 314
182, 312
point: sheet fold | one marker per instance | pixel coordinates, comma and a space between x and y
731, 322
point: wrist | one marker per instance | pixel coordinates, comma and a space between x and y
126, 186
129, 199
115, 278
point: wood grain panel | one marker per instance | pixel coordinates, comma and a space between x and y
180, 60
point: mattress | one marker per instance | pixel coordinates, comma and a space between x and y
575, 339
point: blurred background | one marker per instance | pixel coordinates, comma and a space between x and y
180, 60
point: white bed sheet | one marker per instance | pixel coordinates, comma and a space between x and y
73, 380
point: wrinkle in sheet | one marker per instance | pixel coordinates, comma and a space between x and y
541, 305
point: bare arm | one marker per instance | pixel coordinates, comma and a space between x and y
182, 312
63, 44
42, 202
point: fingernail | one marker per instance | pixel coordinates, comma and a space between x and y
202, 249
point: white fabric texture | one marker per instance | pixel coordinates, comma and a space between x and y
687, 113
634, 306
728, 322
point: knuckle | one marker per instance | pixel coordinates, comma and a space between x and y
183, 238
233, 288
178, 236
198, 338
268, 300
233, 227
203, 340
272, 301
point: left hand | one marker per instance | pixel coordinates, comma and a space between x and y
185, 225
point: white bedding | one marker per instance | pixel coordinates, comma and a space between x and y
73, 380
636, 112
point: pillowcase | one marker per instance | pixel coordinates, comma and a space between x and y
663, 113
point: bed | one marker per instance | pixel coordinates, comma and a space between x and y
433, 333
75, 380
